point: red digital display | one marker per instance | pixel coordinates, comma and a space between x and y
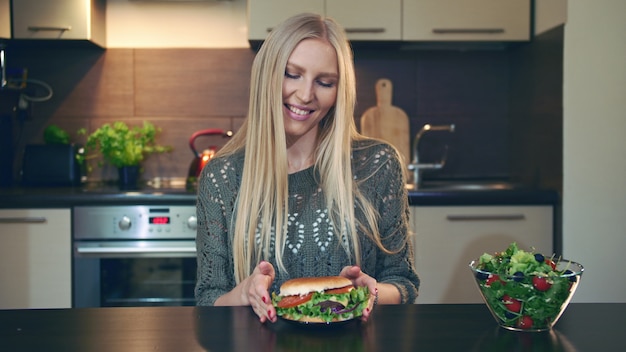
159, 220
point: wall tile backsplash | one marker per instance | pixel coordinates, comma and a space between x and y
185, 90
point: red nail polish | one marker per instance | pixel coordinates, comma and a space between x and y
269, 314
263, 299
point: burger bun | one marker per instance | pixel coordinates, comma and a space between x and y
305, 285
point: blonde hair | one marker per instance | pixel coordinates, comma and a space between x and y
262, 202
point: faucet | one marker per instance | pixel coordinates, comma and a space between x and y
3, 67
415, 165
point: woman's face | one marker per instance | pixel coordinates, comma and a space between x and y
309, 88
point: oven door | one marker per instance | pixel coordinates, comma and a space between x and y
134, 273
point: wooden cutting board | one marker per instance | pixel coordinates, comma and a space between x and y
387, 122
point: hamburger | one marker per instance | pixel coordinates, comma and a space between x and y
325, 299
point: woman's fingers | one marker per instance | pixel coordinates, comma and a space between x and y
258, 291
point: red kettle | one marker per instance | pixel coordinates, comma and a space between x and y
201, 158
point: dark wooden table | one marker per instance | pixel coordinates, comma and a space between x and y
470, 327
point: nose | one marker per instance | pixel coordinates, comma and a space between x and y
305, 92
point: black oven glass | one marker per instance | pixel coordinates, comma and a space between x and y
132, 282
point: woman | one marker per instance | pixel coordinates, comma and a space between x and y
297, 191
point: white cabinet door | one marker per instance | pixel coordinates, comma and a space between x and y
368, 19
35, 258
362, 19
60, 19
263, 15
447, 238
463, 20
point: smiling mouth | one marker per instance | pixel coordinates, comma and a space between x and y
297, 111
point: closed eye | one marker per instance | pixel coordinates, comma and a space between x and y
322, 83
292, 76
326, 84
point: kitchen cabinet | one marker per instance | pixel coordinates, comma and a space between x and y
447, 238
461, 20
60, 20
5, 19
35, 258
362, 19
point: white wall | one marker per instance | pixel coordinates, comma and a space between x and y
594, 181
174, 24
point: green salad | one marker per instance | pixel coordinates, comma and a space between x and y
525, 290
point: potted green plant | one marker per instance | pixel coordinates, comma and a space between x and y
123, 147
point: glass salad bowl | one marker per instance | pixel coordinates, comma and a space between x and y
525, 291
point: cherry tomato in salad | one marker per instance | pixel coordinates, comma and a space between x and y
551, 263
512, 304
541, 283
493, 278
525, 322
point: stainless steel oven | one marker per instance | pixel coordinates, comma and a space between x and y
134, 256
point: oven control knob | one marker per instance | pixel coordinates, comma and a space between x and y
124, 223
192, 222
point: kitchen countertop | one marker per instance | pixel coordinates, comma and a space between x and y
416, 327
65, 197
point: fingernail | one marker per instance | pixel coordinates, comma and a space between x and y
376, 290
269, 314
263, 299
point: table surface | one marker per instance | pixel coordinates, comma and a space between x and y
421, 327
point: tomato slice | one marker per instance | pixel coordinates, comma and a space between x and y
292, 301
337, 291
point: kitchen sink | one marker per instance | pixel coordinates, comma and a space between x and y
462, 186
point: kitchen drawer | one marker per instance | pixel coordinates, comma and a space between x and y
35, 258
447, 238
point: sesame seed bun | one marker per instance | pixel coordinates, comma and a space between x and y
305, 285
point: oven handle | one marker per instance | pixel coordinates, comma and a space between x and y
184, 251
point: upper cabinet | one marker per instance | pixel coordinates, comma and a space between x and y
362, 19
263, 15
60, 20
462, 20
368, 19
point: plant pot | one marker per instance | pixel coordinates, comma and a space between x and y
129, 177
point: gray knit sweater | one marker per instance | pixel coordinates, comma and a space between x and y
312, 249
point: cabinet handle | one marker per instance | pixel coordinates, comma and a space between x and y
365, 30
486, 217
24, 220
133, 252
468, 30
49, 28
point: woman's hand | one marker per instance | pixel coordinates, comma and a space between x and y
257, 291
359, 278
253, 291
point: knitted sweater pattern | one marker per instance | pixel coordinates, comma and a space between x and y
313, 247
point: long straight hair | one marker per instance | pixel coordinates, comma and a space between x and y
262, 203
